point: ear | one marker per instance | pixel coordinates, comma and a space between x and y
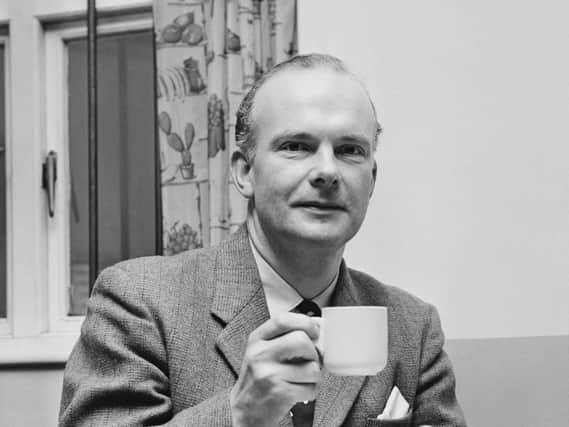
241, 171
374, 175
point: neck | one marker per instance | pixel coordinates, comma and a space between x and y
308, 268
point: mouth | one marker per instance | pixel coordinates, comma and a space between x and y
320, 206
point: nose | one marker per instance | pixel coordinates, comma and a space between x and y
325, 173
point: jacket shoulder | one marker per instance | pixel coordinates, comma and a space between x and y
166, 264
152, 276
379, 293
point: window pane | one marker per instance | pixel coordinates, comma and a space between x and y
3, 286
126, 155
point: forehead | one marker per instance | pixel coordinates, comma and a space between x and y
319, 98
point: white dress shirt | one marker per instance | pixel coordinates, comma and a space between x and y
280, 295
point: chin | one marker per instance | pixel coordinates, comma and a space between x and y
329, 237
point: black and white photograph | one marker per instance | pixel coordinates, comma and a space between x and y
284, 213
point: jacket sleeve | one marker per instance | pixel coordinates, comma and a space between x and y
435, 401
117, 373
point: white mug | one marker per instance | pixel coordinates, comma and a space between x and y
353, 339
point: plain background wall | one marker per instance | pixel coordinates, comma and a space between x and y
471, 209
29, 396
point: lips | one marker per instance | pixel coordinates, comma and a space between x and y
320, 205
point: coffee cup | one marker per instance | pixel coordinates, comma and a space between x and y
353, 339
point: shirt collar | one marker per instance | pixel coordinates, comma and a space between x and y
280, 295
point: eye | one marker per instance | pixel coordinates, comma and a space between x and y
351, 150
294, 146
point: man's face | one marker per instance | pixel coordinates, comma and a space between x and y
313, 170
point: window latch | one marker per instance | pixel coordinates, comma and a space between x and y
49, 176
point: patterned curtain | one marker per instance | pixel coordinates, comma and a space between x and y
208, 53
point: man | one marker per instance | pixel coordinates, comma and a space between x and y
211, 337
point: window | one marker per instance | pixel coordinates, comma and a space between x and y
126, 159
43, 108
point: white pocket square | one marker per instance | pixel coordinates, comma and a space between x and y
396, 406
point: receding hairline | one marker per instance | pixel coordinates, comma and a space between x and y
245, 137
332, 68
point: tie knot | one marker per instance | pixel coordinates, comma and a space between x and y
308, 307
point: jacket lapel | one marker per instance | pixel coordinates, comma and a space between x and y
337, 394
239, 302
240, 306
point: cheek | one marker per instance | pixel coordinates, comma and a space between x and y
275, 182
266, 188
360, 183
270, 197
360, 192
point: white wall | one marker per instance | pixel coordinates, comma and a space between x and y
29, 396
471, 210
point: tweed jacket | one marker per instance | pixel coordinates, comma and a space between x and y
164, 338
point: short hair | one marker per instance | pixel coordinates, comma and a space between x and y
244, 126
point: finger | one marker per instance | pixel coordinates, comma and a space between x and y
301, 392
295, 345
301, 373
284, 323
319, 342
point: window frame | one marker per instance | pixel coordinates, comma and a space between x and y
59, 273
5, 324
37, 328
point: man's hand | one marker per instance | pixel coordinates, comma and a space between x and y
280, 367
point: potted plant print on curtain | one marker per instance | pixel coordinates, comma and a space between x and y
208, 53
